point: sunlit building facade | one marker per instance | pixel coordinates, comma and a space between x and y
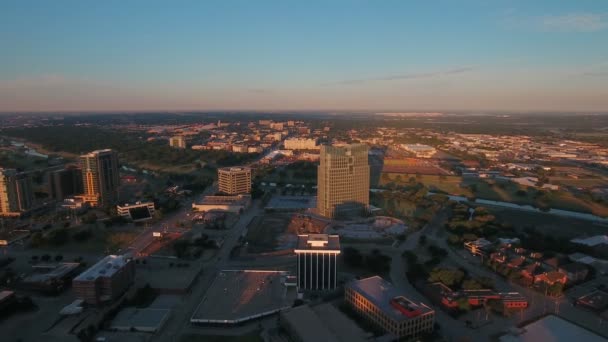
100, 177
343, 180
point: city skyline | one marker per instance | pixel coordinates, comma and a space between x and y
367, 56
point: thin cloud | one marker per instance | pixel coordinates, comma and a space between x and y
399, 77
596, 73
575, 22
569, 22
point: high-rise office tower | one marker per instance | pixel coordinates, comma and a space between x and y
234, 180
16, 193
64, 183
100, 177
178, 141
343, 180
317, 261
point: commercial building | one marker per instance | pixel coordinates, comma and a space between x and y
234, 180
65, 183
235, 204
343, 180
178, 141
50, 278
317, 261
421, 151
100, 177
140, 211
300, 144
16, 193
238, 296
105, 281
323, 322
383, 305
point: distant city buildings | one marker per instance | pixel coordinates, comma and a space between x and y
385, 306
234, 180
178, 141
100, 177
105, 281
343, 180
16, 192
419, 150
230, 203
65, 183
317, 261
300, 144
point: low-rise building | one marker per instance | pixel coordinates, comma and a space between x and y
105, 281
50, 278
301, 144
235, 204
140, 211
382, 304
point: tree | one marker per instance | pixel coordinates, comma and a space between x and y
352, 257
446, 276
422, 240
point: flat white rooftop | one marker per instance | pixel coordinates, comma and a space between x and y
105, 267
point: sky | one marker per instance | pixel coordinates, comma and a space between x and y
138, 55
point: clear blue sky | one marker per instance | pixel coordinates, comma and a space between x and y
271, 55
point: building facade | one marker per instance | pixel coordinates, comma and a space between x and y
16, 192
100, 177
317, 256
300, 144
178, 141
105, 281
343, 180
234, 180
382, 304
137, 212
65, 183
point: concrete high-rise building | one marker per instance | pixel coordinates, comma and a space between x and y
64, 183
317, 261
16, 192
343, 180
100, 177
178, 141
234, 180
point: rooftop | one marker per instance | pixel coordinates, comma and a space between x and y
592, 241
237, 296
390, 300
322, 323
50, 271
551, 328
105, 267
313, 242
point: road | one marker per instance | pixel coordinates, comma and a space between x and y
179, 321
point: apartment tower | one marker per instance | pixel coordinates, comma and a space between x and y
16, 192
343, 181
100, 177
